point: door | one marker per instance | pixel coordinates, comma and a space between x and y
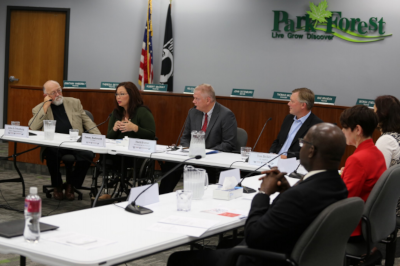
36, 41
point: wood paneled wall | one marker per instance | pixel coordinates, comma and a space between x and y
170, 111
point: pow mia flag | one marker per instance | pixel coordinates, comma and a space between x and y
167, 64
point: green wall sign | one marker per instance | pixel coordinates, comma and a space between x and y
330, 22
325, 99
366, 102
108, 85
74, 84
156, 87
242, 93
189, 89
281, 95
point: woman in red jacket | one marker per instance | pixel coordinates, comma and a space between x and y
364, 167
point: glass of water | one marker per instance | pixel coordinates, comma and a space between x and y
183, 200
73, 134
245, 152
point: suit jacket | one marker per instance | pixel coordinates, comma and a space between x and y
278, 226
284, 132
221, 130
76, 116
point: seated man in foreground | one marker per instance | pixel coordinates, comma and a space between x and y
277, 226
296, 124
69, 113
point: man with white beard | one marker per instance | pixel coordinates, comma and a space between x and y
69, 113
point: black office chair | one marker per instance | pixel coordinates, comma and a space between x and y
68, 161
323, 243
379, 218
241, 139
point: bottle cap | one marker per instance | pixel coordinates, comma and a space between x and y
33, 190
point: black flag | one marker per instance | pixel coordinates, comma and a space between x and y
167, 64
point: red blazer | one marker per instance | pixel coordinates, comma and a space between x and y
361, 171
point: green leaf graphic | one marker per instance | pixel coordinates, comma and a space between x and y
319, 13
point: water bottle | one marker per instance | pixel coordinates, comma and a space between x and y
33, 212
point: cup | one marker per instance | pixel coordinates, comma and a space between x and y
73, 134
15, 123
49, 129
183, 200
245, 152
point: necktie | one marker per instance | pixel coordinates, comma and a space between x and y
204, 128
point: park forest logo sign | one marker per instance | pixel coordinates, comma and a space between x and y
331, 22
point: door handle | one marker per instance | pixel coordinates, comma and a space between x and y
12, 78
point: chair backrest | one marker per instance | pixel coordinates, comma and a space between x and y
89, 114
241, 139
380, 207
324, 242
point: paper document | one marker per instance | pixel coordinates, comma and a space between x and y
183, 225
76, 240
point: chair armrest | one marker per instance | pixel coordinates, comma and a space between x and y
235, 252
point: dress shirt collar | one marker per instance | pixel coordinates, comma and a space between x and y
313, 173
303, 119
210, 112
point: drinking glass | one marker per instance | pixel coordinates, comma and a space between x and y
183, 200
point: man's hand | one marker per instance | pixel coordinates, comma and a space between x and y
273, 181
46, 103
283, 156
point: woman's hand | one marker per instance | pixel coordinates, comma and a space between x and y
127, 126
117, 125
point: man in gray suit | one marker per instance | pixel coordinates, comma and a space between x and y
219, 124
69, 113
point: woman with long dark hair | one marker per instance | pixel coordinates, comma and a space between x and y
130, 117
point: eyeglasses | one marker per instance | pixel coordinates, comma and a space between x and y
121, 94
302, 141
54, 93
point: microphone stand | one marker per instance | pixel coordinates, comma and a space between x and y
262, 130
294, 174
33, 134
86, 131
248, 190
136, 209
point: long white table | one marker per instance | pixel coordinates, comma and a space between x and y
128, 230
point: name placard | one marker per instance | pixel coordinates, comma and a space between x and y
16, 131
108, 85
156, 87
281, 95
260, 158
142, 145
189, 89
367, 102
93, 140
74, 84
325, 99
242, 93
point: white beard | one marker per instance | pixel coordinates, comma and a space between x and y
58, 101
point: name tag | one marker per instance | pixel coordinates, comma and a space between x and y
142, 145
93, 140
260, 158
16, 131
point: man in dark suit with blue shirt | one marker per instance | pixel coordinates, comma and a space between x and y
219, 125
277, 227
296, 124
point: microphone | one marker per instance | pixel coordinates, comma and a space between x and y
250, 190
174, 147
136, 209
86, 131
294, 174
33, 134
262, 130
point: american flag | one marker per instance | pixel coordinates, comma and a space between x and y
146, 59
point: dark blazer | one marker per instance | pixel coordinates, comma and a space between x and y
284, 132
221, 130
278, 227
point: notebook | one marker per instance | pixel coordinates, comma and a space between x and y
16, 228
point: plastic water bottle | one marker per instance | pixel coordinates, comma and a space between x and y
33, 212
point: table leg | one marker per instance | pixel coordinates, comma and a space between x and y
21, 178
22, 261
102, 184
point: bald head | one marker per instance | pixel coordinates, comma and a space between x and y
328, 146
50, 84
